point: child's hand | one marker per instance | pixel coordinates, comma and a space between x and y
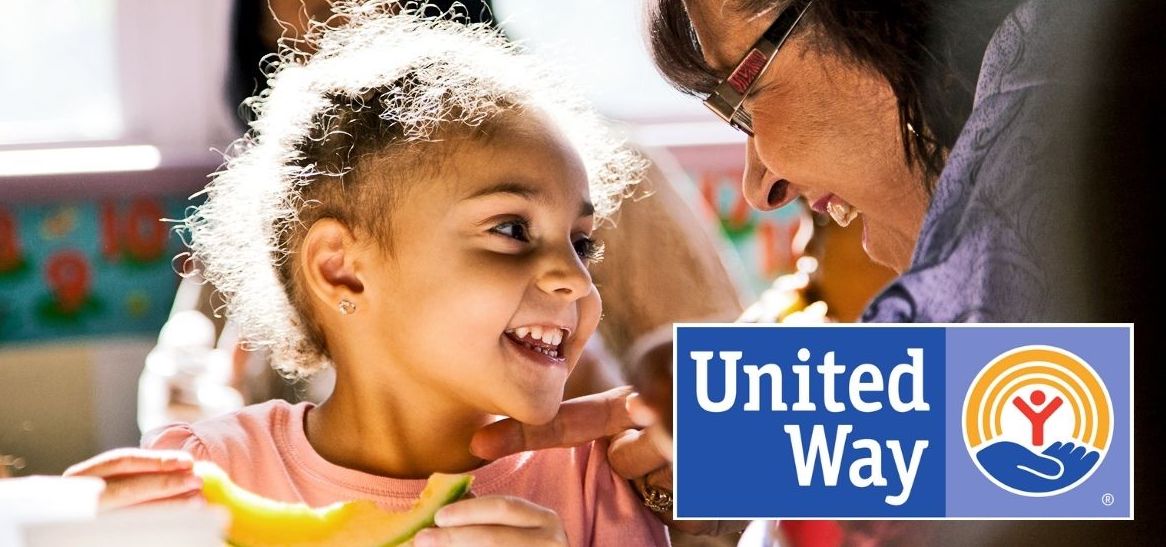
493, 520
136, 476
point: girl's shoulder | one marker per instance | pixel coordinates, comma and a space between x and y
254, 434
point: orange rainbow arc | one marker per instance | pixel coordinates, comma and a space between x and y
1062, 371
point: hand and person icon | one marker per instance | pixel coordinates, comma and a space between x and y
1024, 469
1038, 418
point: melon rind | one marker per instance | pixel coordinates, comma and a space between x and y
257, 521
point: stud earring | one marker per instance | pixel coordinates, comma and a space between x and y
347, 307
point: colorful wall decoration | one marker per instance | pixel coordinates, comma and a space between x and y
768, 243
87, 268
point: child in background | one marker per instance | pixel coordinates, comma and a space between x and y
413, 206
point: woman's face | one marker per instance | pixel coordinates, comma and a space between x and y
823, 128
485, 300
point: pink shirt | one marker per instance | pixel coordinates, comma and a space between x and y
264, 449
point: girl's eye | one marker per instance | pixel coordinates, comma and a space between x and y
514, 229
589, 250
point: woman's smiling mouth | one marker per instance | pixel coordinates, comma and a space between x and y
839, 209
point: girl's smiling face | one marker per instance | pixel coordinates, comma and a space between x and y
483, 298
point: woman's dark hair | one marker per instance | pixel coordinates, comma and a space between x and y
929, 51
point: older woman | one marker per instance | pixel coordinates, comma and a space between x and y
949, 127
880, 110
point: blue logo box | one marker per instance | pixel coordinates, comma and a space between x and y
903, 421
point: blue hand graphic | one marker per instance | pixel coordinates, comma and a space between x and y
1060, 465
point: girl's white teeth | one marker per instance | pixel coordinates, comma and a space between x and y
548, 335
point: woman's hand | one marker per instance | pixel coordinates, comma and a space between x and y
493, 521
136, 476
635, 453
632, 453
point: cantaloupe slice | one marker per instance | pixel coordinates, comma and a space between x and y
257, 521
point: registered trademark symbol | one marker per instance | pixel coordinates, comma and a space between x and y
1107, 499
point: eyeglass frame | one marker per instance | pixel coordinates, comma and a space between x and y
727, 98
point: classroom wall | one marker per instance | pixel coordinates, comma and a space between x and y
86, 282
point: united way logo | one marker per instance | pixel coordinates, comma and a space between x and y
1037, 421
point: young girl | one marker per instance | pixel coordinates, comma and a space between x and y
413, 207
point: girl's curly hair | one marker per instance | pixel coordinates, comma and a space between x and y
384, 79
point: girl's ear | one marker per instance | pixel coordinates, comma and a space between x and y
330, 262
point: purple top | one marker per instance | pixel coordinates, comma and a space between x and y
992, 229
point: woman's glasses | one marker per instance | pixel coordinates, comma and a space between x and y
727, 98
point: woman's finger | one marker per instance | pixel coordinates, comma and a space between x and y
633, 454
639, 411
129, 461
488, 536
494, 510
127, 490
660, 478
662, 440
579, 421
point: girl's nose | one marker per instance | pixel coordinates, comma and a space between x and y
565, 276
